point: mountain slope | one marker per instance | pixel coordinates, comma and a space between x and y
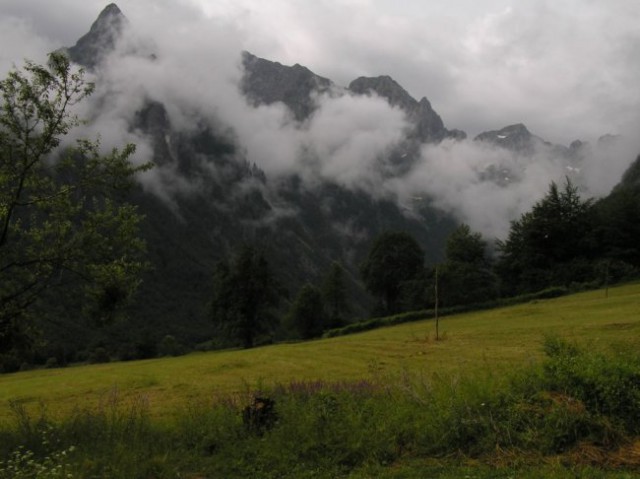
207, 199
101, 38
428, 127
302, 228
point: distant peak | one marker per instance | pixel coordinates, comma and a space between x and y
382, 81
518, 127
101, 38
386, 87
111, 9
425, 103
110, 15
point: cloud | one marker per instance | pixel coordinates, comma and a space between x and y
195, 74
351, 137
25, 43
567, 70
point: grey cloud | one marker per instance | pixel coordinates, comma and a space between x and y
568, 71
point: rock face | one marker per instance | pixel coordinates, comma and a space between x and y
428, 126
91, 48
266, 82
516, 138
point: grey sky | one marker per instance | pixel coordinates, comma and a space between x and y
567, 69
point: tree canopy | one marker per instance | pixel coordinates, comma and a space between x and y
465, 277
544, 241
64, 224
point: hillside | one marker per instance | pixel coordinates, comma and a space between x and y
493, 341
283, 158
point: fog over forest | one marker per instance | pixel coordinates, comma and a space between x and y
567, 72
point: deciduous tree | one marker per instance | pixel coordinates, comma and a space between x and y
63, 223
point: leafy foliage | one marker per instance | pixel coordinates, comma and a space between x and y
63, 224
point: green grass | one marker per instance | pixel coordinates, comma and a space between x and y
545, 389
493, 340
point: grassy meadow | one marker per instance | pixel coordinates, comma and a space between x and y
550, 388
487, 341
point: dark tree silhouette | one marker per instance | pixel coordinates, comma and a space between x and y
307, 313
548, 245
395, 259
245, 293
334, 293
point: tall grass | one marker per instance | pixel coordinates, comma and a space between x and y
580, 406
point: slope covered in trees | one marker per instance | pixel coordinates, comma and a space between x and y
204, 198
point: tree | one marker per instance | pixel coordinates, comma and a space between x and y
395, 259
548, 244
463, 246
617, 220
334, 294
465, 277
245, 292
307, 313
65, 229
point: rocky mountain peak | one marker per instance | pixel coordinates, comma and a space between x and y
91, 48
428, 126
385, 87
513, 137
267, 82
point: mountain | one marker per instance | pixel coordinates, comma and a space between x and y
92, 47
519, 139
207, 199
428, 127
265, 82
302, 228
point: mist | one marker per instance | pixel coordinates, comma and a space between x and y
191, 63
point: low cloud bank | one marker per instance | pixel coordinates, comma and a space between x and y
195, 74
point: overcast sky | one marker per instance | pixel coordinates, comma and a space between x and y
568, 69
